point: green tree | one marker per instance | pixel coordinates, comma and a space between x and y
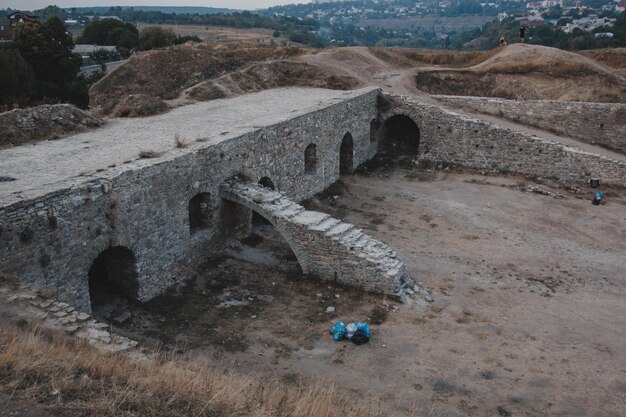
17, 78
110, 32
47, 48
156, 37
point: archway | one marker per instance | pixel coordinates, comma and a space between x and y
346, 155
200, 213
113, 274
401, 136
310, 159
374, 127
257, 219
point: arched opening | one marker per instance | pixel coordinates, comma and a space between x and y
200, 213
257, 219
374, 127
113, 274
267, 183
346, 155
401, 136
310, 159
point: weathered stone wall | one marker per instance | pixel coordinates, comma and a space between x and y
601, 124
446, 136
52, 241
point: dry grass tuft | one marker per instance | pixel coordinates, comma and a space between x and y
149, 154
180, 142
64, 374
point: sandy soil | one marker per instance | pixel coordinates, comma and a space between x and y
528, 315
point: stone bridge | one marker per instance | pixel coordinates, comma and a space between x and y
326, 247
92, 210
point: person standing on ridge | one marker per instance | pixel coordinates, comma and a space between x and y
522, 33
502, 40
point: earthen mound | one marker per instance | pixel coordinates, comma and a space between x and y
143, 84
269, 75
530, 72
43, 122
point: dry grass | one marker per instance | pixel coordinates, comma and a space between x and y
149, 154
68, 375
180, 142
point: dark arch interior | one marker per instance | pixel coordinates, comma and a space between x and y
374, 127
346, 155
113, 274
401, 136
257, 219
200, 215
310, 159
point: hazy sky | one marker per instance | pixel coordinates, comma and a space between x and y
233, 4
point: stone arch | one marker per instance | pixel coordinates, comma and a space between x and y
113, 273
200, 213
257, 219
346, 155
400, 136
310, 159
374, 130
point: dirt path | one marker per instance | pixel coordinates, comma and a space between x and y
361, 64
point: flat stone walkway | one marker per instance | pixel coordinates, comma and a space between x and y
103, 153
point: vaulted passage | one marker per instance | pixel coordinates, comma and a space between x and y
200, 215
346, 155
113, 274
401, 136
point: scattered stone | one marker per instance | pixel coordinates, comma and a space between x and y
253, 317
122, 318
82, 316
330, 310
428, 299
319, 295
337, 296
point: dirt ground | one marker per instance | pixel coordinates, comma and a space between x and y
528, 315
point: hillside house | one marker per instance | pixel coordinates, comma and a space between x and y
15, 19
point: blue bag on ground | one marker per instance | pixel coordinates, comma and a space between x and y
338, 331
364, 327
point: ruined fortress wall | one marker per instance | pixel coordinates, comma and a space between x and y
601, 124
446, 136
51, 241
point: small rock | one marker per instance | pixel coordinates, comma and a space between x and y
253, 317
410, 291
337, 296
319, 295
330, 310
71, 329
82, 316
125, 316
428, 298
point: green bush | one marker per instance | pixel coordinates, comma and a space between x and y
156, 37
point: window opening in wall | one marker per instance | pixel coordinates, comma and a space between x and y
112, 279
310, 159
346, 155
200, 213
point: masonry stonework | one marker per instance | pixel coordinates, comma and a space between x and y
51, 238
601, 124
449, 137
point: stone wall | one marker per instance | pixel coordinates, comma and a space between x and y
446, 136
601, 124
52, 241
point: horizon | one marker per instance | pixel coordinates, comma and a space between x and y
227, 4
